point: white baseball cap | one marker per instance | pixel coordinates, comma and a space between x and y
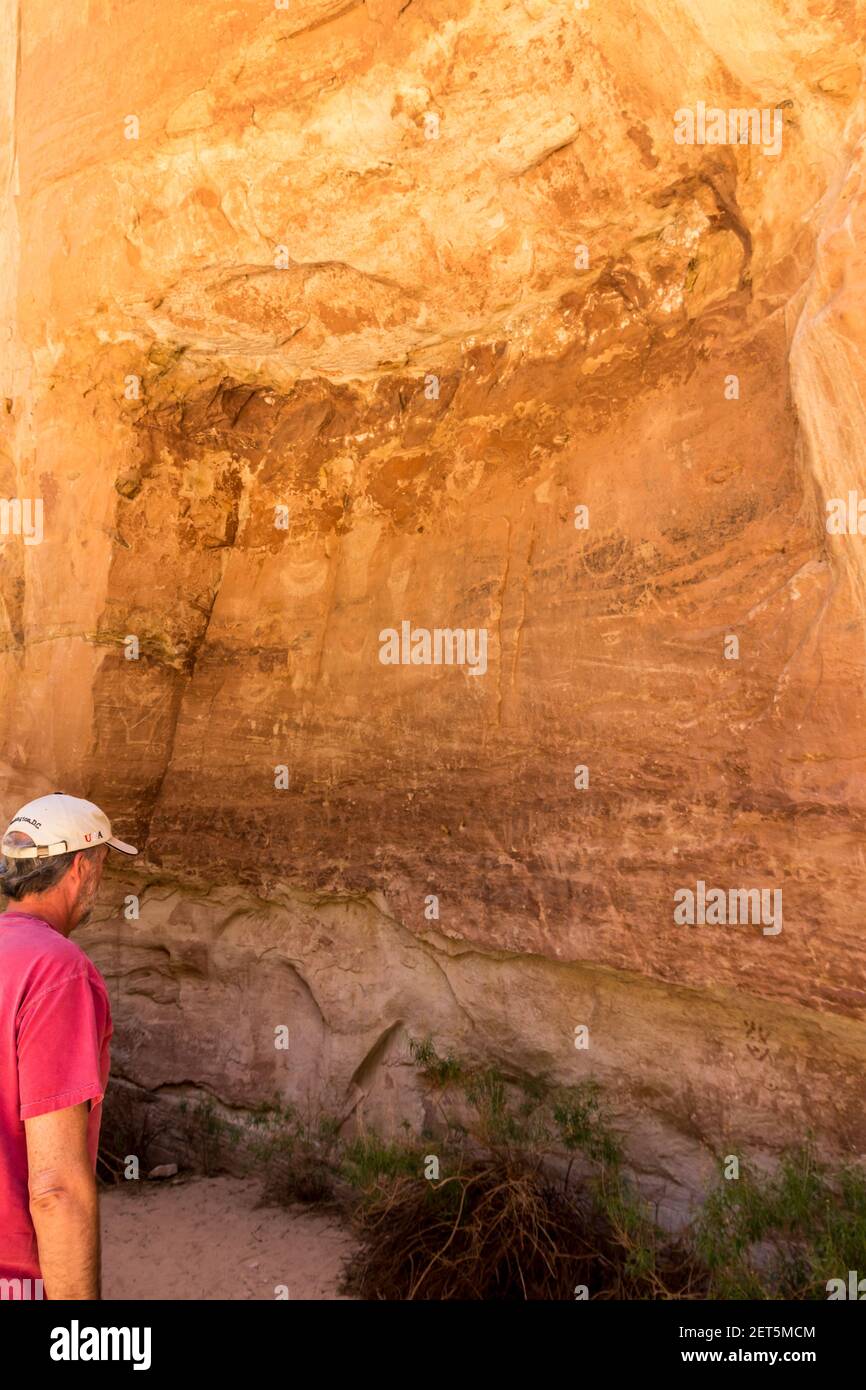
58, 824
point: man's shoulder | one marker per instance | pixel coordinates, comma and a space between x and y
33, 935
45, 958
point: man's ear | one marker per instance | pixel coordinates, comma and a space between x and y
79, 864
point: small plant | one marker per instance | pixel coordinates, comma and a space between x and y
367, 1159
442, 1071
127, 1129
783, 1235
581, 1126
295, 1154
205, 1132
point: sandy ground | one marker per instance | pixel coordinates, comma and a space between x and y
203, 1238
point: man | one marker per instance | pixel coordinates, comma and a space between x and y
55, 1026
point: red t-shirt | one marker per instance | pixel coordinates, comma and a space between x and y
55, 1026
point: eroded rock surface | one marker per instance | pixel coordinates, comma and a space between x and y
429, 276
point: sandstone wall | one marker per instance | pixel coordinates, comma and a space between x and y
338, 269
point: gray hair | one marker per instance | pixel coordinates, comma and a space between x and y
18, 877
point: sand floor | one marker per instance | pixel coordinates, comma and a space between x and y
203, 1238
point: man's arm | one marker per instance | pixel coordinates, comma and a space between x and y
64, 1203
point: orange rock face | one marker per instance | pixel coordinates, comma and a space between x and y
343, 320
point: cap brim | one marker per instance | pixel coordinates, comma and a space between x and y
122, 846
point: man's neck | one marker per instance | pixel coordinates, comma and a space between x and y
40, 905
